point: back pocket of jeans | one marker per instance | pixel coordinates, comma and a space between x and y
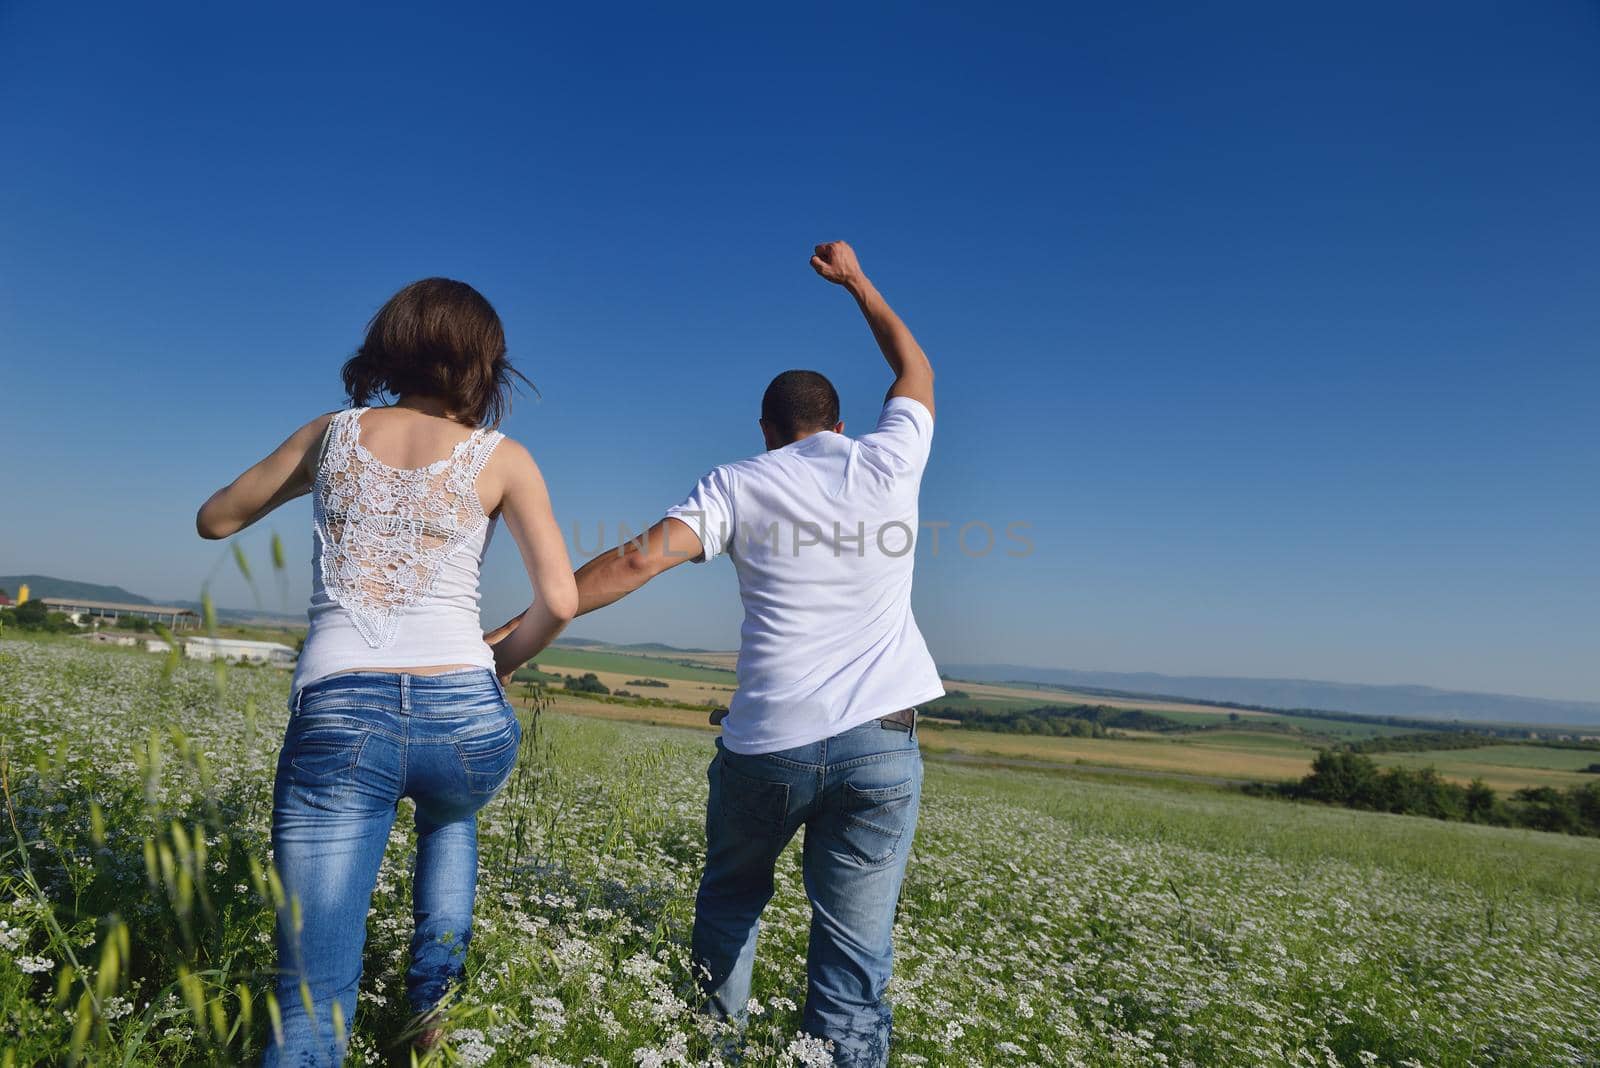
872, 821
487, 758
322, 761
757, 803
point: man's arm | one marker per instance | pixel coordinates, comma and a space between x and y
615, 573
913, 374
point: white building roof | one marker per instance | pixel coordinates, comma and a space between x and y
117, 606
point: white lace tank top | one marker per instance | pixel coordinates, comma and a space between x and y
395, 558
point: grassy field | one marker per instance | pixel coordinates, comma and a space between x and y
1240, 754
1045, 920
283, 635
1144, 754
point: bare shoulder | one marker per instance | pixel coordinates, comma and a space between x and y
306, 442
511, 457
510, 470
318, 426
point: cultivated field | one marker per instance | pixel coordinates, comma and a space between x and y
686, 684
1046, 919
581, 660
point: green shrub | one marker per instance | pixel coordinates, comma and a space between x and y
1352, 780
589, 682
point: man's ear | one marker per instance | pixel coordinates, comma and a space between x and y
768, 437
838, 428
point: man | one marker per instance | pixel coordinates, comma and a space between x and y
821, 731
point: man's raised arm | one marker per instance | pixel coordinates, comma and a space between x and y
913, 374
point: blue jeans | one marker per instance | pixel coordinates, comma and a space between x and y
356, 744
857, 795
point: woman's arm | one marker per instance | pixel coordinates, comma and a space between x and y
525, 505
281, 477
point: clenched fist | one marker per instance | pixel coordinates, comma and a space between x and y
836, 261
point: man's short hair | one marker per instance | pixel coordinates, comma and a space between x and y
800, 402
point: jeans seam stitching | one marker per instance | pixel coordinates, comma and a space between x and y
405, 751
781, 761
871, 758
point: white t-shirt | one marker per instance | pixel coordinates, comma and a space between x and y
823, 535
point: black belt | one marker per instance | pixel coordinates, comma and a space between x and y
903, 720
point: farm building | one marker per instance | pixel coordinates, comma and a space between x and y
81, 611
274, 653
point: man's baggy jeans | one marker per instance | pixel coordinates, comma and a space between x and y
857, 795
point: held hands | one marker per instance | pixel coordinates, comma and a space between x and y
493, 637
836, 261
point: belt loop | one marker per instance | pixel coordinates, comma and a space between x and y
405, 694
915, 718
299, 695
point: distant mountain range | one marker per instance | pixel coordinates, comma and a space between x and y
50, 586
633, 647
1423, 702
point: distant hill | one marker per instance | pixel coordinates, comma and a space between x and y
635, 647
657, 647
49, 586
1369, 700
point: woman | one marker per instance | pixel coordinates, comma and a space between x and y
396, 694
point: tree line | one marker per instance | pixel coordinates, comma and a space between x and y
1352, 780
1066, 721
1423, 741
35, 616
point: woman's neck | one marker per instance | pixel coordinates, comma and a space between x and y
426, 405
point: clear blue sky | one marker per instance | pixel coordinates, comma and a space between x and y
1278, 323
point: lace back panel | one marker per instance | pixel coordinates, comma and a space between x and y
387, 532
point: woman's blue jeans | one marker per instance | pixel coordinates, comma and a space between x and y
857, 795
357, 743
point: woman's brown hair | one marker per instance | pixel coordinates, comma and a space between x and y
437, 338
